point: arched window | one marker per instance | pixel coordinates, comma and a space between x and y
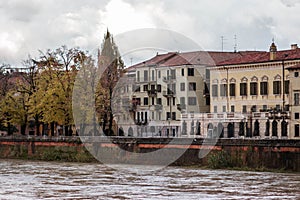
232, 87
121, 132
254, 86
254, 79
284, 128
242, 128
277, 85
256, 128
215, 132
214, 88
192, 127
130, 132
243, 86
184, 125
198, 128
230, 129
232, 80
267, 133
210, 128
220, 130
274, 128
264, 78
223, 87
152, 129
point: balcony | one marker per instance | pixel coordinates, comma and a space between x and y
158, 107
169, 93
141, 122
206, 93
181, 107
168, 79
152, 93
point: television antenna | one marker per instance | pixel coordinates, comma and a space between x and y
235, 44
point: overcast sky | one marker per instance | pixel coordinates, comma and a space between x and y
32, 25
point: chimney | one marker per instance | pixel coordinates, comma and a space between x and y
294, 46
273, 50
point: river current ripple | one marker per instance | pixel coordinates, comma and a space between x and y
57, 180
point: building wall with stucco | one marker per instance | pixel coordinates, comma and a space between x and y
294, 103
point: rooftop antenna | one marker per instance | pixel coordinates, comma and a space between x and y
222, 41
235, 44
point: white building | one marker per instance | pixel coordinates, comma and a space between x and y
157, 95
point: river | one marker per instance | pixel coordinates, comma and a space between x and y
57, 180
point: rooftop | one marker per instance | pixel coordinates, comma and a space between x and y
208, 58
259, 57
215, 58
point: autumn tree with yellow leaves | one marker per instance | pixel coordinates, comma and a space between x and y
53, 97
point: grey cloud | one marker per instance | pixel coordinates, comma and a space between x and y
42, 24
47, 24
290, 3
21, 10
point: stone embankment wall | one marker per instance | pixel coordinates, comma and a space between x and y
224, 153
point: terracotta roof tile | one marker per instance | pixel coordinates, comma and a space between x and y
259, 57
208, 58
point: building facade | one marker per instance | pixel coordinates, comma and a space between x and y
294, 72
212, 94
259, 87
163, 91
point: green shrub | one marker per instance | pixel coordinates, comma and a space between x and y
219, 160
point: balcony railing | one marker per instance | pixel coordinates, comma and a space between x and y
168, 79
141, 122
152, 93
158, 107
169, 93
181, 106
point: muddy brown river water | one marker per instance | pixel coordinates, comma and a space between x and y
55, 180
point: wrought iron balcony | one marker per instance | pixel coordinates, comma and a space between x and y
141, 122
158, 107
169, 93
152, 93
181, 106
168, 79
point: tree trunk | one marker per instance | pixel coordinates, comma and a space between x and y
66, 130
23, 129
110, 131
110, 124
37, 125
9, 131
52, 128
104, 123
